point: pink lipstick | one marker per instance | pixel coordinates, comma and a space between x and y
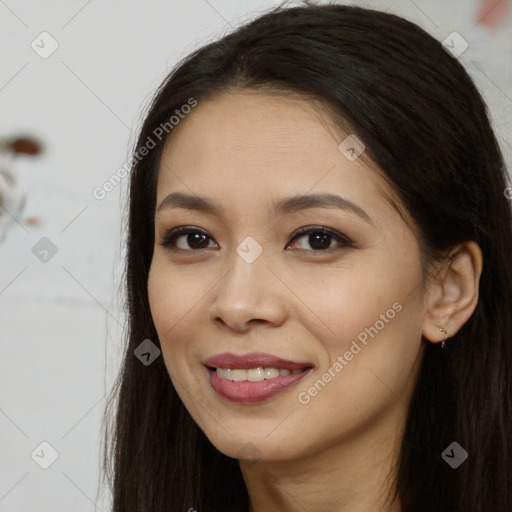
254, 377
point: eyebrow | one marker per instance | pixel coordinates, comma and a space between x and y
284, 206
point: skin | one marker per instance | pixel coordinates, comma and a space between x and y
244, 150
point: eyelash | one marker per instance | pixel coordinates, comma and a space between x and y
174, 234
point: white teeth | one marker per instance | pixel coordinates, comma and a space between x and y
224, 372
238, 375
253, 374
271, 373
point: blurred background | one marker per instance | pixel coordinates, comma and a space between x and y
75, 78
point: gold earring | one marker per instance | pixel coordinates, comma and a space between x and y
445, 332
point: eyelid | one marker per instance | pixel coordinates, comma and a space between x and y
175, 233
336, 235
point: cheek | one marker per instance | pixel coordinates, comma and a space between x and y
367, 325
169, 299
160, 297
175, 301
369, 362
167, 306
348, 300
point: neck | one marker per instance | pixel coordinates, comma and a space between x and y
355, 475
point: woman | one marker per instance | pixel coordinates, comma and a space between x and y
319, 280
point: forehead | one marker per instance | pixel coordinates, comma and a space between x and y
248, 123
249, 145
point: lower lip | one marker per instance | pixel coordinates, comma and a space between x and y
251, 392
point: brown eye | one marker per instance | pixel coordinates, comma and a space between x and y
193, 239
316, 239
321, 238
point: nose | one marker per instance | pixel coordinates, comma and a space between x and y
249, 295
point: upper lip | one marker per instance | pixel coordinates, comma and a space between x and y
253, 360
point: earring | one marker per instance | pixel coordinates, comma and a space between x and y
445, 332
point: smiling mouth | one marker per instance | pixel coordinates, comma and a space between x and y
253, 377
256, 374
248, 386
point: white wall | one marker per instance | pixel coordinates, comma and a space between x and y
60, 321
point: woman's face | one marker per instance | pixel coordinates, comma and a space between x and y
320, 330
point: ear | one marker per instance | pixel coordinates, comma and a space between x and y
453, 295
